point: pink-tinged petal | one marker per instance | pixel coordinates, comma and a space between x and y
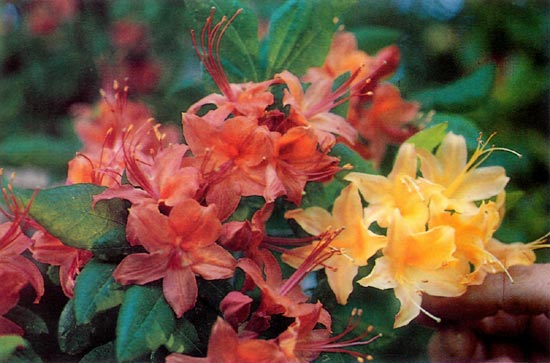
213, 262
333, 123
125, 191
12, 239
235, 307
27, 271
197, 226
149, 227
222, 343
226, 196
8, 327
70, 268
141, 268
181, 185
180, 289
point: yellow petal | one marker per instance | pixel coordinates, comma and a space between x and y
314, 220
340, 275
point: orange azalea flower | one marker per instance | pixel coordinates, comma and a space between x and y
233, 158
298, 161
312, 108
355, 243
303, 341
386, 121
16, 271
48, 249
416, 262
225, 346
246, 99
400, 190
179, 246
344, 56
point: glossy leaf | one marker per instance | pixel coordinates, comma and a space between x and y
145, 322
459, 125
462, 95
184, 338
300, 34
72, 337
104, 353
95, 290
67, 213
27, 319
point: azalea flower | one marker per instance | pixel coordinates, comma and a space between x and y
386, 121
179, 246
16, 271
312, 108
48, 249
414, 263
225, 346
400, 190
463, 180
356, 243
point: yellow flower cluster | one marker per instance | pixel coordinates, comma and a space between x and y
440, 212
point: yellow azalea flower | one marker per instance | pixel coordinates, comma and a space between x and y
472, 232
399, 191
417, 262
356, 243
461, 178
512, 254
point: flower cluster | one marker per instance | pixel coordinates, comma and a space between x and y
440, 212
268, 140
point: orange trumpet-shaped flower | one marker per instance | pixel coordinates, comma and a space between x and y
16, 271
225, 346
179, 246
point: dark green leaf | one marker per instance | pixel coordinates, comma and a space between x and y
95, 290
31, 323
461, 95
239, 46
184, 338
72, 338
104, 353
67, 213
145, 322
348, 156
300, 34
15, 349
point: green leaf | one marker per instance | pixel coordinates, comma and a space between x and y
145, 322
72, 337
95, 290
27, 319
29, 150
462, 95
348, 156
300, 34
430, 137
459, 125
373, 38
15, 349
184, 338
67, 213
104, 353
239, 46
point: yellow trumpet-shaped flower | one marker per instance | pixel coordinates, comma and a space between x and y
462, 180
356, 244
400, 191
417, 262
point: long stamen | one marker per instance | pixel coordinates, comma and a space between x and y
317, 256
209, 50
